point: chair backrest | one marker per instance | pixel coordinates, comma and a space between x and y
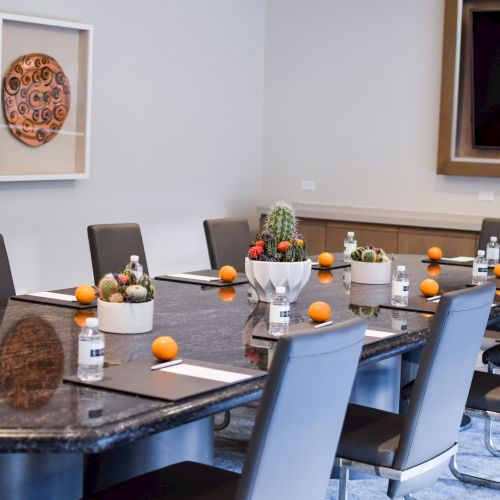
296, 433
227, 242
443, 380
111, 246
6, 283
489, 227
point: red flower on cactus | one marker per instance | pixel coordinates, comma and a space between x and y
260, 243
283, 246
255, 251
123, 279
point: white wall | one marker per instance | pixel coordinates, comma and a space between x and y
351, 101
176, 136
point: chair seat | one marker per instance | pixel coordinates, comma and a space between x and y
182, 481
492, 355
370, 436
484, 392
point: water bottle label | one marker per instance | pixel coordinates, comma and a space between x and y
400, 288
90, 354
279, 314
493, 253
349, 247
479, 269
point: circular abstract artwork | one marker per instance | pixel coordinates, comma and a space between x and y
36, 98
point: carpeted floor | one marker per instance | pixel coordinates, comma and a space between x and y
473, 458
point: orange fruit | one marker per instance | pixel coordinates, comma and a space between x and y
228, 273
227, 293
165, 348
85, 294
434, 253
325, 259
429, 287
434, 270
496, 270
81, 316
319, 311
324, 277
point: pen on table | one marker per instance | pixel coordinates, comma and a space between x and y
167, 364
431, 299
321, 325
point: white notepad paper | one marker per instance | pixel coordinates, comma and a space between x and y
195, 277
379, 334
52, 295
207, 373
458, 259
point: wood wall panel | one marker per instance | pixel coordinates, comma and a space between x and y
314, 233
453, 243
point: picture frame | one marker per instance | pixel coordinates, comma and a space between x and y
55, 150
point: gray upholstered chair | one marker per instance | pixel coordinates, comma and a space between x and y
413, 450
489, 227
227, 241
484, 397
297, 427
111, 246
6, 284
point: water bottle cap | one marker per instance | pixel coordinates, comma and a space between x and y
350, 233
493, 238
280, 290
480, 253
134, 258
401, 269
91, 322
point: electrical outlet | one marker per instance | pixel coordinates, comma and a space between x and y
308, 186
486, 196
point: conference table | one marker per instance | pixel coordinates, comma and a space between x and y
51, 431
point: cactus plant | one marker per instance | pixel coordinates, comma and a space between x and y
107, 286
368, 256
116, 297
137, 293
281, 222
369, 253
123, 287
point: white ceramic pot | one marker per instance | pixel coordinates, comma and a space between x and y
125, 317
371, 273
266, 276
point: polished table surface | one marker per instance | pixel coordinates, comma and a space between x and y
39, 343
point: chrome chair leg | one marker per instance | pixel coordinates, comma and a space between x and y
343, 479
466, 478
225, 421
488, 434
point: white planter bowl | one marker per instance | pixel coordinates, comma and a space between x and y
125, 318
371, 273
266, 276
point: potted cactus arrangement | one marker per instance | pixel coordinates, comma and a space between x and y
278, 256
370, 265
125, 303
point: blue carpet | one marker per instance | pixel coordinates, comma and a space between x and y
473, 458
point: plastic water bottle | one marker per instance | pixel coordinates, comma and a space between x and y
492, 252
399, 320
400, 287
350, 244
479, 269
279, 313
135, 267
90, 352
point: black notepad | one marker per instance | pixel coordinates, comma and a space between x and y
335, 265
137, 378
449, 262
416, 304
54, 301
191, 277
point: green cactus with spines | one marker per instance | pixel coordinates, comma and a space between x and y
137, 293
368, 256
107, 286
116, 298
281, 222
356, 254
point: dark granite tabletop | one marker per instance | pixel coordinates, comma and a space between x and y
38, 345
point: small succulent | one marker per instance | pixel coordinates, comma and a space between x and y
369, 253
137, 293
124, 287
280, 240
107, 286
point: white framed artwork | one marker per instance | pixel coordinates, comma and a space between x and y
46, 68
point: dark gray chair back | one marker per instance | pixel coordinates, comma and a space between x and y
489, 227
228, 242
444, 377
296, 433
111, 246
6, 283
